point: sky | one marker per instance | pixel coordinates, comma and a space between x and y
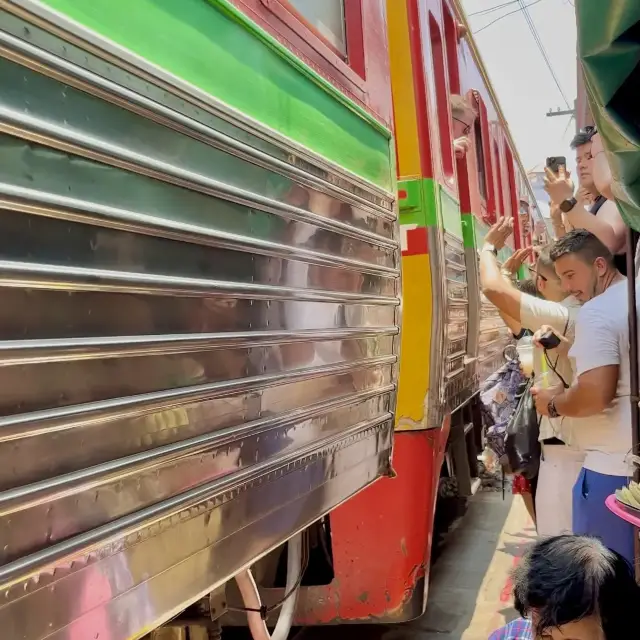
523, 83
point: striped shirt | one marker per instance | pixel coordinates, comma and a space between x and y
520, 629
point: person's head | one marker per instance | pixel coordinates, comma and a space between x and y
581, 144
529, 287
463, 116
584, 265
546, 278
573, 587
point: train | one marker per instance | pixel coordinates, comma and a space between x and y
242, 330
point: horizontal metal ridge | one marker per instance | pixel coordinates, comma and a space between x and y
500, 340
59, 25
450, 264
27, 496
51, 276
15, 352
71, 209
89, 541
94, 84
52, 135
75, 416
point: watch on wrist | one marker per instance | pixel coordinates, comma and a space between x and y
551, 408
487, 246
568, 204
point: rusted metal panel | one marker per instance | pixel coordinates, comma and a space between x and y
383, 541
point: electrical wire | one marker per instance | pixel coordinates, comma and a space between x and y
543, 51
264, 611
552, 366
497, 7
506, 15
524, 9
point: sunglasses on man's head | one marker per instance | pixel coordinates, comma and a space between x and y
535, 274
589, 130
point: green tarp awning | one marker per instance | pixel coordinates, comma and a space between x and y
609, 49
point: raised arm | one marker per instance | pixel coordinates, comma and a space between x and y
497, 288
607, 226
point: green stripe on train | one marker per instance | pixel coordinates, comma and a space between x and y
211, 45
427, 204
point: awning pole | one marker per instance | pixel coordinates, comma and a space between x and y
633, 371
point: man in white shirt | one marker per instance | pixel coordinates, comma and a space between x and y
561, 461
599, 397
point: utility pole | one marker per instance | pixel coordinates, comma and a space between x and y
563, 112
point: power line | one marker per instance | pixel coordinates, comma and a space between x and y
492, 9
504, 15
543, 51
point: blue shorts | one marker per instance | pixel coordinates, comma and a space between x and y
591, 517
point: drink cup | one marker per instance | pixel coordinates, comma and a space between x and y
525, 354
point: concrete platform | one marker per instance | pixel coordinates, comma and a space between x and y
470, 592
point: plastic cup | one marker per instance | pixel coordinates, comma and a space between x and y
525, 351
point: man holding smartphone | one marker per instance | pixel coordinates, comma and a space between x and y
602, 217
598, 401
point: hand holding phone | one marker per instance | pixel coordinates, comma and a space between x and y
555, 162
549, 340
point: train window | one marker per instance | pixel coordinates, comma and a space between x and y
442, 99
482, 169
500, 206
327, 18
451, 40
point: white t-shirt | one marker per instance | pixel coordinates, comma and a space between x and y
602, 339
535, 312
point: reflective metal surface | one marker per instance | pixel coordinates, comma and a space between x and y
198, 344
453, 366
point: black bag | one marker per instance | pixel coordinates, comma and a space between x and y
521, 442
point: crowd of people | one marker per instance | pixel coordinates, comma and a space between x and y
577, 581
582, 395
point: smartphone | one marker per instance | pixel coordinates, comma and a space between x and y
549, 340
555, 162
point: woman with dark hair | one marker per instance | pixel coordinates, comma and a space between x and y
573, 587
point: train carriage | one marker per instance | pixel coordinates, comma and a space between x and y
199, 289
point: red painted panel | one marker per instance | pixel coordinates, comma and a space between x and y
441, 96
417, 242
355, 36
499, 183
512, 194
422, 101
365, 77
382, 538
451, 45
